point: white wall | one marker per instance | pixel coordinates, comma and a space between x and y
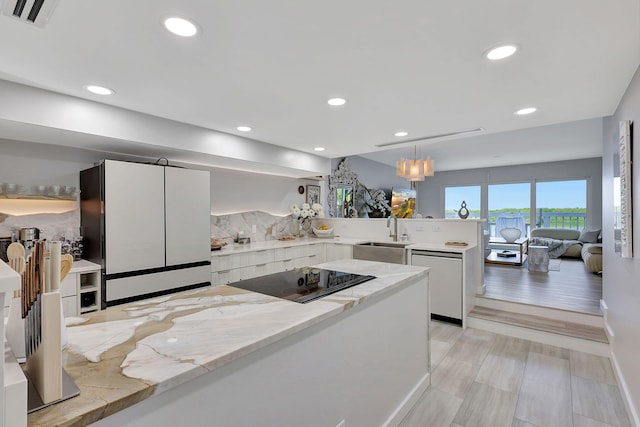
621, 286
37, 115
31, 164
375, 175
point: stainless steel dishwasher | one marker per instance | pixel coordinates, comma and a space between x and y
445, 283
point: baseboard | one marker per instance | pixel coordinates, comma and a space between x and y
626, 395
533, 310
408, 402
563, 341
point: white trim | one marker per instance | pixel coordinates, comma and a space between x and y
570, 343
408, 402
626, 395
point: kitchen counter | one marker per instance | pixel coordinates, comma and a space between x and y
82, 266
274, 244
125, 355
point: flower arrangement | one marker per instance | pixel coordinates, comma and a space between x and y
307, 211
379, 202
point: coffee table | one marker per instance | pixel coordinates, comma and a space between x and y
522, 246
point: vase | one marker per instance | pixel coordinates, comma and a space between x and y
304, 227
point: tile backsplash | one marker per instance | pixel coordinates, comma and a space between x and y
267, 226
52, 226
223, 227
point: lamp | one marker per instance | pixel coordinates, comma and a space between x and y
416, 169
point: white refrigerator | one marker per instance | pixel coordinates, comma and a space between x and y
148, 226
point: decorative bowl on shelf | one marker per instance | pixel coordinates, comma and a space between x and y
510, 234
323, 233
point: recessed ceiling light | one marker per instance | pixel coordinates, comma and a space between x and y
336, 102
99, 90
319, 149
244, 128
501, 52
180, 26
525, 111
401, 133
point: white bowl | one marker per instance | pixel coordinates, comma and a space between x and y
510, 234
319, 232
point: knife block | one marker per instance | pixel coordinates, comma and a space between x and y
15, 330
44, 366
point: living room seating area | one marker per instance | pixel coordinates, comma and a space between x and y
563, 242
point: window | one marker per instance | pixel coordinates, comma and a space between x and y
454, 196
561, 204
509, 206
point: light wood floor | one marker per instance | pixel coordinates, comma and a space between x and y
484, 379
573, 287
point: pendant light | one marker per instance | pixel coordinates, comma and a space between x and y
416, 169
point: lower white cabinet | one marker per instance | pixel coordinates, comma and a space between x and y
80, 292
336, 251
228, 268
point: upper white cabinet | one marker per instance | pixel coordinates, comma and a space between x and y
187, 211
134, 216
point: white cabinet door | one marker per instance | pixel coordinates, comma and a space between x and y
134, 216
70, 306
335, 251
188, 215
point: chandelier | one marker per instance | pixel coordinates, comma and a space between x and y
416, 169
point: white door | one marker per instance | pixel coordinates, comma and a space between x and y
134, 216
188, 216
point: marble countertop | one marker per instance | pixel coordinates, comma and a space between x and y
125, 354
9, 279
274, 244
83, 266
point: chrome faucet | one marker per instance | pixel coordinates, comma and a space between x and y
393, 233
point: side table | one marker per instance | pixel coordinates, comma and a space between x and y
522, 245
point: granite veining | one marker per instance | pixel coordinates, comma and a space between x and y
125, 354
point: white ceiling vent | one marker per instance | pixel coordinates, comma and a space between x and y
35, 12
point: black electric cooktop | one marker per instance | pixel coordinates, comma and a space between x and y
302, 284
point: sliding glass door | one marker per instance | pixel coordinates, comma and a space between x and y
561, 204
509, 206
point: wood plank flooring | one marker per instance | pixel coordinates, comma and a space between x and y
484, 379
573, 287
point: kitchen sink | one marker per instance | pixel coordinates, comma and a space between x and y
394, 252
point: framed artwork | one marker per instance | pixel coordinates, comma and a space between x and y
313, 194
626, 217
403, 202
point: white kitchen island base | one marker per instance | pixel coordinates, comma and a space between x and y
366, 366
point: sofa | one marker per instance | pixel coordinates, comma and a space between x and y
584, 244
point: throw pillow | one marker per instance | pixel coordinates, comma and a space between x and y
588, 236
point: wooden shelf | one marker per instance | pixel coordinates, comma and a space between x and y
36, 197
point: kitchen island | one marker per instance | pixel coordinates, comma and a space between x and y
225, 356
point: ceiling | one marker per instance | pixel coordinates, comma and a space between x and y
411, 65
